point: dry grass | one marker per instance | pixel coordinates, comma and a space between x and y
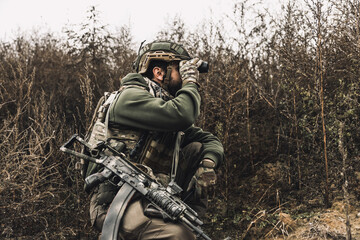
35, 196
260, 97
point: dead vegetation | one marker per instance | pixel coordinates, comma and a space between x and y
272, 94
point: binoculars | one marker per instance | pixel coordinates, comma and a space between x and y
204, 67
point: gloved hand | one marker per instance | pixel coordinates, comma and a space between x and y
204, 177
189, 70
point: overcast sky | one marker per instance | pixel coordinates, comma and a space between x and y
145, 17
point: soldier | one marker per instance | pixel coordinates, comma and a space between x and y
152, 105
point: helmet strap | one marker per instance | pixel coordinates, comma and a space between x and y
165, 82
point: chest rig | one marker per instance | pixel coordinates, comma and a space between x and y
158, 147
153, 149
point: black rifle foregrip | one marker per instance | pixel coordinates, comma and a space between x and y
93, 180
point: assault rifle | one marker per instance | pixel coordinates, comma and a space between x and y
133, 179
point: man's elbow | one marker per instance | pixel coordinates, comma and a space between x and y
186, 121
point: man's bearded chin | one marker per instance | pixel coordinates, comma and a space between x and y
174, 87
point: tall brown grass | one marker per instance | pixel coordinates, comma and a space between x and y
262, 97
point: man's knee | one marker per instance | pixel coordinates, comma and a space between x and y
193, 148
191, 154
100, 199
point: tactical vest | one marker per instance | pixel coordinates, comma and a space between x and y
153, 149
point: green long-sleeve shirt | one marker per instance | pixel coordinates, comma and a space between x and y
137, 108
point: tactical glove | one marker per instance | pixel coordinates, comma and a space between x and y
204, 177
189, 70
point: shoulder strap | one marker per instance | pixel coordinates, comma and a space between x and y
98, 116
95, 114
109, 103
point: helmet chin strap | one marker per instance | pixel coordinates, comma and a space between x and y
166, 80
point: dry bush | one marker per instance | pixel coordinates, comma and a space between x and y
35, 196
35, 184
261, 97
46, 95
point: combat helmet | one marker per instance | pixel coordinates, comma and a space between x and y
159, 50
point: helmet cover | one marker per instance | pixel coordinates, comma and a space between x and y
159, 50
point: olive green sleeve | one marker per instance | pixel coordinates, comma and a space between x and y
212, 147
136, 107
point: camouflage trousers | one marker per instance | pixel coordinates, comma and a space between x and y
135, 224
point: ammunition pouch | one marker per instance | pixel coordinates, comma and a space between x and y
129, 137
158, 156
